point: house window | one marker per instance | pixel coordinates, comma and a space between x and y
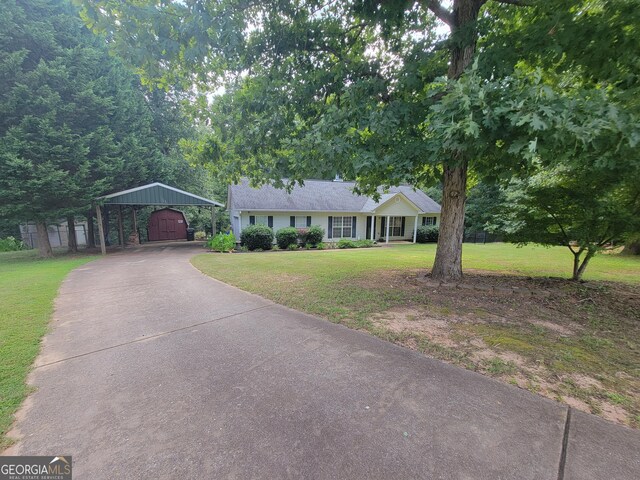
301, 221
395, 227
342, 227
262, 220
429, 221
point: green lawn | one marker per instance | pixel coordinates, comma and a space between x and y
28, 286
578, 345
299, 274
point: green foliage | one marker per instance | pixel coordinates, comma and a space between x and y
314, 235
583, 209
427, 234
287, 236
321, 246
483, 203
257, 237
386, 118
75, 123
293, 246
347, 243
222, 242
11, 244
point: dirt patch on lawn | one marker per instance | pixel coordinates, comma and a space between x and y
577, 343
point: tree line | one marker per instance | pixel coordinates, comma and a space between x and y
75, 122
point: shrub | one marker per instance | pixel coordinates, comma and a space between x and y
427, 234
11, 244
223, 242
293, 246
346, 243
364, 243
257, 237
302, 235
200, 235
287, 236
321, 246
314, 235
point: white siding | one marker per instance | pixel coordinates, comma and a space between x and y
282, 219
397, 207
240, 221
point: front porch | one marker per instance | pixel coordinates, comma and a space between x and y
396, 219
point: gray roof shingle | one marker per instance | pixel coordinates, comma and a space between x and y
319, 195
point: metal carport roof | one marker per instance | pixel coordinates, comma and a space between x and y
156, 194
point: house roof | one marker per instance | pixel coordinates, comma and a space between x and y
156, 194
320, 195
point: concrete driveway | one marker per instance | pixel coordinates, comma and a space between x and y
153, 370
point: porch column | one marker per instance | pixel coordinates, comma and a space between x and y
213, 221
415, 229
103, 248
373, 227
387, 235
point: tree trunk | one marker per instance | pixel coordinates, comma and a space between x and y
91, 239
448, 262
447, 266
579, 268
44, 246
71, 235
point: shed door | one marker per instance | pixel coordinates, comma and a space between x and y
167, 229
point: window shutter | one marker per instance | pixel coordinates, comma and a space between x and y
252, 219
308, 220
435, 219
424, 221
402, 229
383, 227
330, 229
270, 221
353, 227
292, 221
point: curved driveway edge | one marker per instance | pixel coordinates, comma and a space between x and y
153, 370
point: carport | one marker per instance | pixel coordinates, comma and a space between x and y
153, 194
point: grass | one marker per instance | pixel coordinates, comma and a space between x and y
28, 286
289, 278
578, 343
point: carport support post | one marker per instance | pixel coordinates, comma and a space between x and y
135, 223
120, 227
103, 248
213, 221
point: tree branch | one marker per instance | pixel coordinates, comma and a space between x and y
517, 3
441, 12
564, 233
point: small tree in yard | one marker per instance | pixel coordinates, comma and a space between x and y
582, 209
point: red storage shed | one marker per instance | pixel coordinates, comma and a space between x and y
167, 224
